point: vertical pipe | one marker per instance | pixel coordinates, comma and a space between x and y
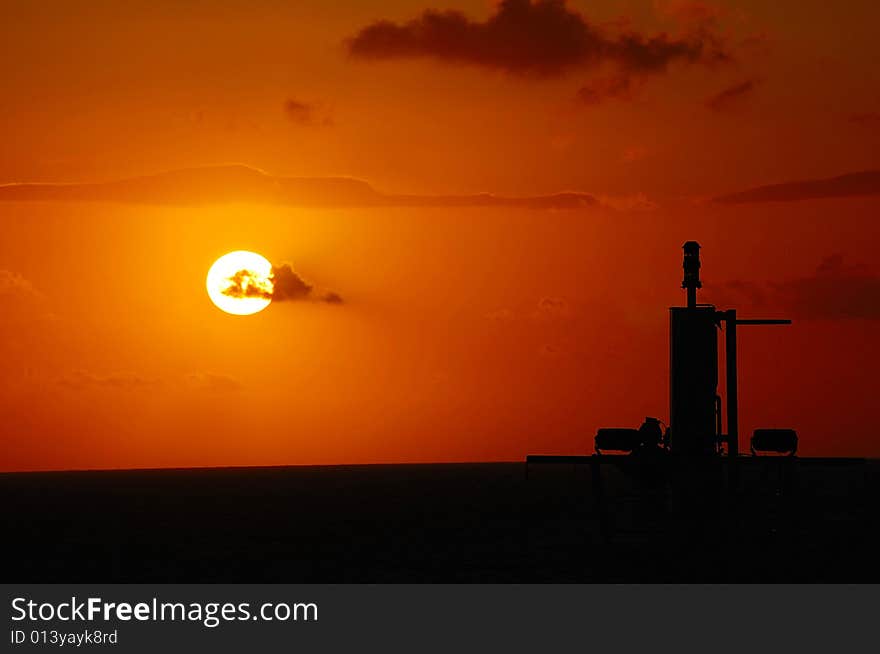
732, 406
691, 297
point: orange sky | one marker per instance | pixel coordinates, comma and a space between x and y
466, 333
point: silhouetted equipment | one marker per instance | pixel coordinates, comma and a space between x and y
651, 434
731, 321
693, 467
617, 440
695, 405
647, 438
779, 441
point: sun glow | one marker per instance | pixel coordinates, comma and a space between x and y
240, 283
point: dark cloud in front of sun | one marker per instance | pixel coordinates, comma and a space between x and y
248, 284
284, 285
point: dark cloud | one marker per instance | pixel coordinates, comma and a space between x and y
299, 112
248, 284
731, 96
542, 38
851, 184
284, 285
835, 291
331, 298
236, 183
306, 114
288, 285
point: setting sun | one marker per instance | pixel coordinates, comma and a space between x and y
240, 283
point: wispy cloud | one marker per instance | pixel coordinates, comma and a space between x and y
212, 382
307, 114
732, 96
237, 183
851, 184
834, 291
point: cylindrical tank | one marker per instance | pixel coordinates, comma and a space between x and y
693, 380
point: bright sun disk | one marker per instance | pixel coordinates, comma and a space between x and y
240, 283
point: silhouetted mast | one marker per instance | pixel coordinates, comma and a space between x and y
691, 265
695, 406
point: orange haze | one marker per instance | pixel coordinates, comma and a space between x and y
467, 329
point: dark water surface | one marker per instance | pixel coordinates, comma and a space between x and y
436, 523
